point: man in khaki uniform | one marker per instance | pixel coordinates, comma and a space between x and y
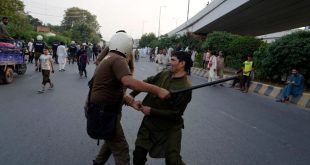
110, 79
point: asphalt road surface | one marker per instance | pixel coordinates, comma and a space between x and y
222, 125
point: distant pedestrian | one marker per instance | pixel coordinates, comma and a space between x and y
46, 63
62, 56
248, 68
83, 61
220, 65
72, 52
54, 48
89, 50
79, 54
96, 49
212, 66
30, 51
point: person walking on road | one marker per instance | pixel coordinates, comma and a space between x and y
212, 66
38, 50
160, 133
72, 52
112, 75
83, 61
46, 63
62, 56
54, 48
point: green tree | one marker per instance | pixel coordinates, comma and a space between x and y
147, 39
34, 21
218, 41
80, 25
239, 48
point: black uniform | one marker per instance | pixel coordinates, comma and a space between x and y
54, 48
72, 53
38, 50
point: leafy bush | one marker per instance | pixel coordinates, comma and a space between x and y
57, 38
278, 58
239, 48
218, 41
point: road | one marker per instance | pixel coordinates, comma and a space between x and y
222, 125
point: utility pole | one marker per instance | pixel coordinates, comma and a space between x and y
159, 20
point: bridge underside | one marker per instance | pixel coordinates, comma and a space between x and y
258, 17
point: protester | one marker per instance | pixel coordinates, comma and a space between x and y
62, 56
294, 86
160, 133
212, 66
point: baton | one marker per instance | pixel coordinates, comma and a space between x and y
172, 92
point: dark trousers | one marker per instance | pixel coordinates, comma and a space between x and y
246, 81
30, 60
55, 57
83, 69
118, 146
46, 77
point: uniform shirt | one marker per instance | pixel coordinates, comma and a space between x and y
107, 85
72, 50
54, 46
39, 46
45, 62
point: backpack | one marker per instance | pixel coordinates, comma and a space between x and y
101, 119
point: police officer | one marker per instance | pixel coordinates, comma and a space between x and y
38, 47
54, 48
110, 78
72, 52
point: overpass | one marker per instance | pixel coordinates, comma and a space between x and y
248, 17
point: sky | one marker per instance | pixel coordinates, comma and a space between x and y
135, 16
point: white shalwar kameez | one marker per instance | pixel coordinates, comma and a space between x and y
212, 68
62, 56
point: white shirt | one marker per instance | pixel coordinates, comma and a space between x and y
45, 61
61, 51
165, 59
30, 46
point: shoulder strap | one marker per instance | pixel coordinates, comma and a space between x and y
90, 85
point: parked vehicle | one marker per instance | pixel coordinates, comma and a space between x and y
11, 60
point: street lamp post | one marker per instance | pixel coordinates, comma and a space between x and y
187, 10
159, 20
